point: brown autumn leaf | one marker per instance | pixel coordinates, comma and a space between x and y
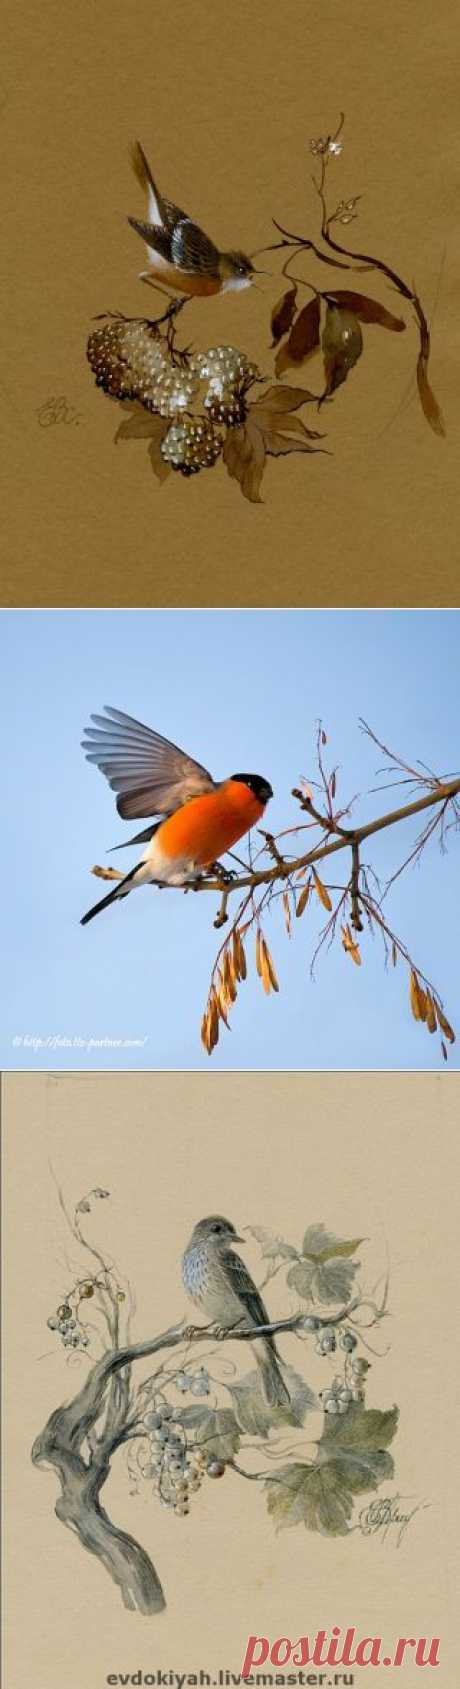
270, 429
303, 338
368, 310
283, 399
321, 890
244, 457
428, 402
259, 952
342, 344
283, 315
144, 425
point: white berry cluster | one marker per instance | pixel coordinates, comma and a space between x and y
176, 1468
337, 1398
191, 445
131, 361
66, 1323
197, 1382
227, 373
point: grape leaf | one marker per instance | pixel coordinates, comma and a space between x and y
144, 425
331, 1281
256, 1417
217, 1431
284, 399
271, 1245
351, 1458
320, 1245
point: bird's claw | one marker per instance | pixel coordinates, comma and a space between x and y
223, 873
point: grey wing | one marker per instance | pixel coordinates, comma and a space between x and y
247, 1292
149, 773
192, 249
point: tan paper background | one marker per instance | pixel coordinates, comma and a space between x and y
368, 1154
225, 99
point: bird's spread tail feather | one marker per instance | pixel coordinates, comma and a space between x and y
120, 890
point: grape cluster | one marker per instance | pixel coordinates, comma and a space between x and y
191, 445
67, 1324
196, 1382
131, 361
337, 1398
127, 359
228, 374
175, 1467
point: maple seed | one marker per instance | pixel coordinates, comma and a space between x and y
444, 1025
321, 890
350, 946
303, 900
418, 999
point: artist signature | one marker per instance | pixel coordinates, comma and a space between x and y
57, 410
382, 1514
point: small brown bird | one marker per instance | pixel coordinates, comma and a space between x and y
180, 255
219, 1283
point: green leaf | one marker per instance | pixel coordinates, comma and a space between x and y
331, 1281
320, 1245
271, 1245
300, 1278
351, 1459
217, 1431
256, 1417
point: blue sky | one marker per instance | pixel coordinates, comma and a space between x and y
237, 689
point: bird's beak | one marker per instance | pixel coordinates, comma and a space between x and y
238, 1239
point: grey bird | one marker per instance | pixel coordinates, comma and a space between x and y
218, 1282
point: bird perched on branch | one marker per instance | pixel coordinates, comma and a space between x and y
200, 818
218, 1282
180, 255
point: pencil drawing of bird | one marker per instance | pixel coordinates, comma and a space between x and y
219, 1284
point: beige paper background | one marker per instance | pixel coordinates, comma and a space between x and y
373, 1154
225, 99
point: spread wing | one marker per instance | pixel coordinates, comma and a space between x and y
192, 249
247, 1292
150, 774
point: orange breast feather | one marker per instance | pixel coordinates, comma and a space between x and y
207, 826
